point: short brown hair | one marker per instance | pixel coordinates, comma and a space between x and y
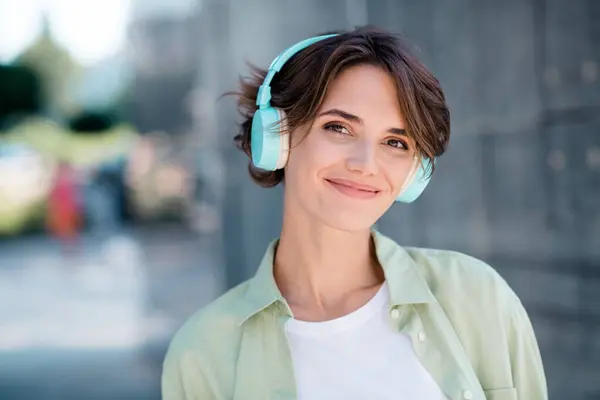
300, 87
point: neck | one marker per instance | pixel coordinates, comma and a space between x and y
318, 266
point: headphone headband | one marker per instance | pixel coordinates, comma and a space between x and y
264, 92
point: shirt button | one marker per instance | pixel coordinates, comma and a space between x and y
395, 314
467, 395
421, 336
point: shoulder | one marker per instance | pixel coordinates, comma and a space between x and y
211, 331
199, 359
479, 303
477, 300
459, 277
493, 326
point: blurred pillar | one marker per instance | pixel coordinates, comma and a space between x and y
217, 123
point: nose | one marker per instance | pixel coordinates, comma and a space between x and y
363, 159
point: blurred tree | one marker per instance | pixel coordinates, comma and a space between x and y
20, 89
56, 69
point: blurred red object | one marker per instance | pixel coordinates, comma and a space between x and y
64, 207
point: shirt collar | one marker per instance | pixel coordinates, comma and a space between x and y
405, 282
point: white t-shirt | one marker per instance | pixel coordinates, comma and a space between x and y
358, 356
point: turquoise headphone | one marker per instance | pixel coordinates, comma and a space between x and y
270, 140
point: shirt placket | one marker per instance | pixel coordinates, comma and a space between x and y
445, 363
283, 379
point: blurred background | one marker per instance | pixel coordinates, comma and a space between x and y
124, 206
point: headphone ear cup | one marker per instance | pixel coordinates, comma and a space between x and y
268, 146
416, 181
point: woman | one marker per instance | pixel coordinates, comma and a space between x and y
351, 123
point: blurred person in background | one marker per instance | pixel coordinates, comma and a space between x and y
64, 209
98, 148
351, 123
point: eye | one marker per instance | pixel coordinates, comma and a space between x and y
337, 128
397, 143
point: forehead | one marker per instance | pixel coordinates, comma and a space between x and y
368, 92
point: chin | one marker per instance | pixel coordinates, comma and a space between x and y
349, 214
348, 221
338, 212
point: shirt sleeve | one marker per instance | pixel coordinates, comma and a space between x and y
526, 361
182, 379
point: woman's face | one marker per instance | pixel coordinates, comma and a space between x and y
351, 165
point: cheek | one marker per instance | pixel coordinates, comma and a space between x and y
313, 154
398, 172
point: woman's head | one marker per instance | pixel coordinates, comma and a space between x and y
359, 110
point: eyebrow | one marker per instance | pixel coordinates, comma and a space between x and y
354, 118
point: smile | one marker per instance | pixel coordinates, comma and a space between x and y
353, 189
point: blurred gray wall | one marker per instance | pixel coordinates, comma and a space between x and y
520, 184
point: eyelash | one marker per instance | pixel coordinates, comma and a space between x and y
403, 144
337, 128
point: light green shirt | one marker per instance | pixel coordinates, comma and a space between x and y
479, 341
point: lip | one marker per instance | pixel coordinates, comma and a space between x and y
353, 189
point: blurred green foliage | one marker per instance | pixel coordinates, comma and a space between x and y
20, 92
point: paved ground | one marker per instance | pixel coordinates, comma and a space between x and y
97, 327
